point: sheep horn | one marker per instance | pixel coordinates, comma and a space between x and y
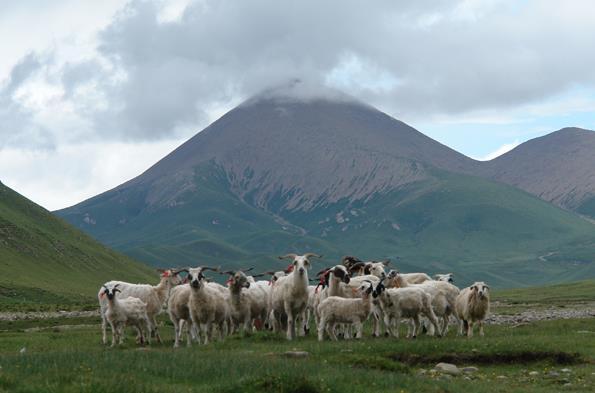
386, 262
247, 270
230, 272
178, 271
323, 271
215, 269
116, 286
259, 275
311, 254
288, 256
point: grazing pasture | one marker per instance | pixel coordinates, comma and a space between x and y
539, 356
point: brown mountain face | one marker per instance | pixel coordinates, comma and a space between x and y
558, 167
309, 152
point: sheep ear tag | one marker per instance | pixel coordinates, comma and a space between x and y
165, 273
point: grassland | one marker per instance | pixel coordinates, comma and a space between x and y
71, 359
45, 262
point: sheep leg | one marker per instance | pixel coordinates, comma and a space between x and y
155, 330
290, 321
397, 322
416, 326
389, 329
331, 331
149, 325
469, 329
103, 329
321, 326
114, 334
480, 323
178, 324
359, 327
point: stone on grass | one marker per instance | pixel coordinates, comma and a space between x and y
296, 354
534, 373
566, 370
470, 369
447, 368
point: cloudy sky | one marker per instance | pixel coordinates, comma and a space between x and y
94, 92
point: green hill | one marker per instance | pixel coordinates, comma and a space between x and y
44, 260
477, 228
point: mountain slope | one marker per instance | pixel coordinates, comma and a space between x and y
279, 174
558, 167
43, 259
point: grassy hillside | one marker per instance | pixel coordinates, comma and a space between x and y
477, 228
44, 260
560, 294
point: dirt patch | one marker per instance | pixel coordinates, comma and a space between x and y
524, 357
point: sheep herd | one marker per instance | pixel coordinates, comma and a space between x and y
343, 298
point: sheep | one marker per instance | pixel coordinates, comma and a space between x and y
397, 303
248, 301
207, 304
443, 297
334, 283
129, 311
336, 309
416, 278
179, 313
473, 305
154, 295
289, 295
449, 277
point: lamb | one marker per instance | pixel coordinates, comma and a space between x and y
335, 309
397, 303
248, 301
155, 296
129, 311
208, 305
473, 305
289, 295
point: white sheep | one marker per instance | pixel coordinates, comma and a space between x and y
397, 303
353, 311
248, 301
289, 295
449, 277
155, 296
473, 305
442, 293
129, 311
207, 304
179, 313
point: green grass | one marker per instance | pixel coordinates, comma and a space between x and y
45, 262
74, 361
552, 295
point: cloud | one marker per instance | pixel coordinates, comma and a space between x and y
499, 151
156, 71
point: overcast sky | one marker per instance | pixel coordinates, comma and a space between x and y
94, 92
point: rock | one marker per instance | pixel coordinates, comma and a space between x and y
534, 373
566, 370
296, 354
470, 369
447, 368
501, 377
567, 385
553, 374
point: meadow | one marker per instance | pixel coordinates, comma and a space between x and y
544, 356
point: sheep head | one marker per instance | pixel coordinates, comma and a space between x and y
341, 273
481, 289
300, 262
111, 292
449, 278
195, 277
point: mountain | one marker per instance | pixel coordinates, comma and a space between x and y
280, 173
45, 260
558, 167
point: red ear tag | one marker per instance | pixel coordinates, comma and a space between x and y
229, 281
165, 274
271, 281
290, 268
102, 295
